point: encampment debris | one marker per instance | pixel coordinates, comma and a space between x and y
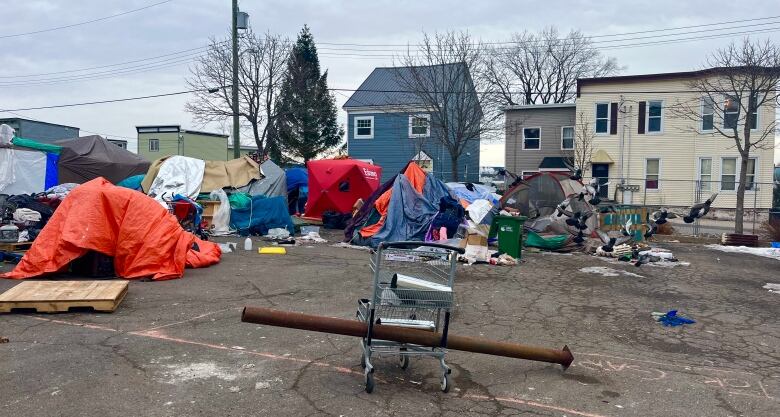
773, 288
671, 318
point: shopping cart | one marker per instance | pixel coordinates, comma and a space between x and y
413, 289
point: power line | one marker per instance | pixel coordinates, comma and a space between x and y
347, 90
100, 19
567, 38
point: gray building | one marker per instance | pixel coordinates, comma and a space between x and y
40, 131
539, 137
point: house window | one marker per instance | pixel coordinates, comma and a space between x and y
750, 178
364, 127
705, 174
419, 126
602, 118
654, 116
707, 115
154, 145
531, 137
652, 172
730, 113
567, 137
728, 174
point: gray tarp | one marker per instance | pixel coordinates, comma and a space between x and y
409, 213
86, 158
273, 183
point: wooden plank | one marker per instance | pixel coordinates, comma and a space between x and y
15, 247
60, 296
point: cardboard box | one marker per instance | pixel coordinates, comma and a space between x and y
476, 245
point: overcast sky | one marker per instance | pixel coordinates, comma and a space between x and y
186, 24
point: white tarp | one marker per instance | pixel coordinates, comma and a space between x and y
177, 175
22, 172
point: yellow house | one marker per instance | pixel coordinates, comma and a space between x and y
651, 154
164, 140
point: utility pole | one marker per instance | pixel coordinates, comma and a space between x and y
236, 138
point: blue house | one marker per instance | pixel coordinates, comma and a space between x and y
389, 126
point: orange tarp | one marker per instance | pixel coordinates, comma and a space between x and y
142, 237
416, 177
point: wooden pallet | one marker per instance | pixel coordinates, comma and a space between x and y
733, 239
15, 247
60, 296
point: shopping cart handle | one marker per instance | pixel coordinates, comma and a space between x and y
406, 244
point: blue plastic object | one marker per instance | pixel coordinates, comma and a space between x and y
671, 319
776, 245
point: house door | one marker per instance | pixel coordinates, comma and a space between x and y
601, 171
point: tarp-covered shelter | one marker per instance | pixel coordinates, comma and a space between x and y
25, 171
401, 209
336, 184
234, 173
144, 239
273, 183
538, 195
89, 157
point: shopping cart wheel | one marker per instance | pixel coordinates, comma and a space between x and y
369, 378
445, 383
403, 361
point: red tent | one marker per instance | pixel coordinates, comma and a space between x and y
335, 184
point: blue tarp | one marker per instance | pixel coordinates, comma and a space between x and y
297, 177
409, 213
264, 213
52, 171
133, 183
480, 192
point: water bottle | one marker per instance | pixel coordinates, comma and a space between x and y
248, 244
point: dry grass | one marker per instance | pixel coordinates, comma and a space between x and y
771, 231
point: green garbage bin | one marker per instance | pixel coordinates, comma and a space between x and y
509, 230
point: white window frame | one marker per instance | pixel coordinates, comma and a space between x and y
660, 168
157, 141
756, 170
647, 119
539, 138
739, 110
698, 173
573, 138
704, 100
427, 117
524, 174
355, 125
596, 118
736, 174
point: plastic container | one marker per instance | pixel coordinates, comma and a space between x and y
775, 245
9, 234
509, 230
248, 244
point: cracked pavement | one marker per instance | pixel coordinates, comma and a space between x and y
178, 347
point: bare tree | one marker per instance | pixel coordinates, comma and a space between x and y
543, 67
262, 64
584, 133
739, 81
439, 76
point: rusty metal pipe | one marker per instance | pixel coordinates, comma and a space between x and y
356, 328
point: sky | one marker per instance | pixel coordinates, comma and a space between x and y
180, 25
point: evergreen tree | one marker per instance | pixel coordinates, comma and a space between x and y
306, 125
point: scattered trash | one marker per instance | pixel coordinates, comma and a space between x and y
773, 288
227, 247
4, 340
248, 243
671, 318
278, 233
348, 246
313, 237
305, 230
269, 250
503, 259
773, 253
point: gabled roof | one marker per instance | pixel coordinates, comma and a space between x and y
383, 87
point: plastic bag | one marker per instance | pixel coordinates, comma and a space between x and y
221, 219
6, 134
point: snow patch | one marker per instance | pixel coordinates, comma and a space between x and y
608, 272
773, 253
774, 288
